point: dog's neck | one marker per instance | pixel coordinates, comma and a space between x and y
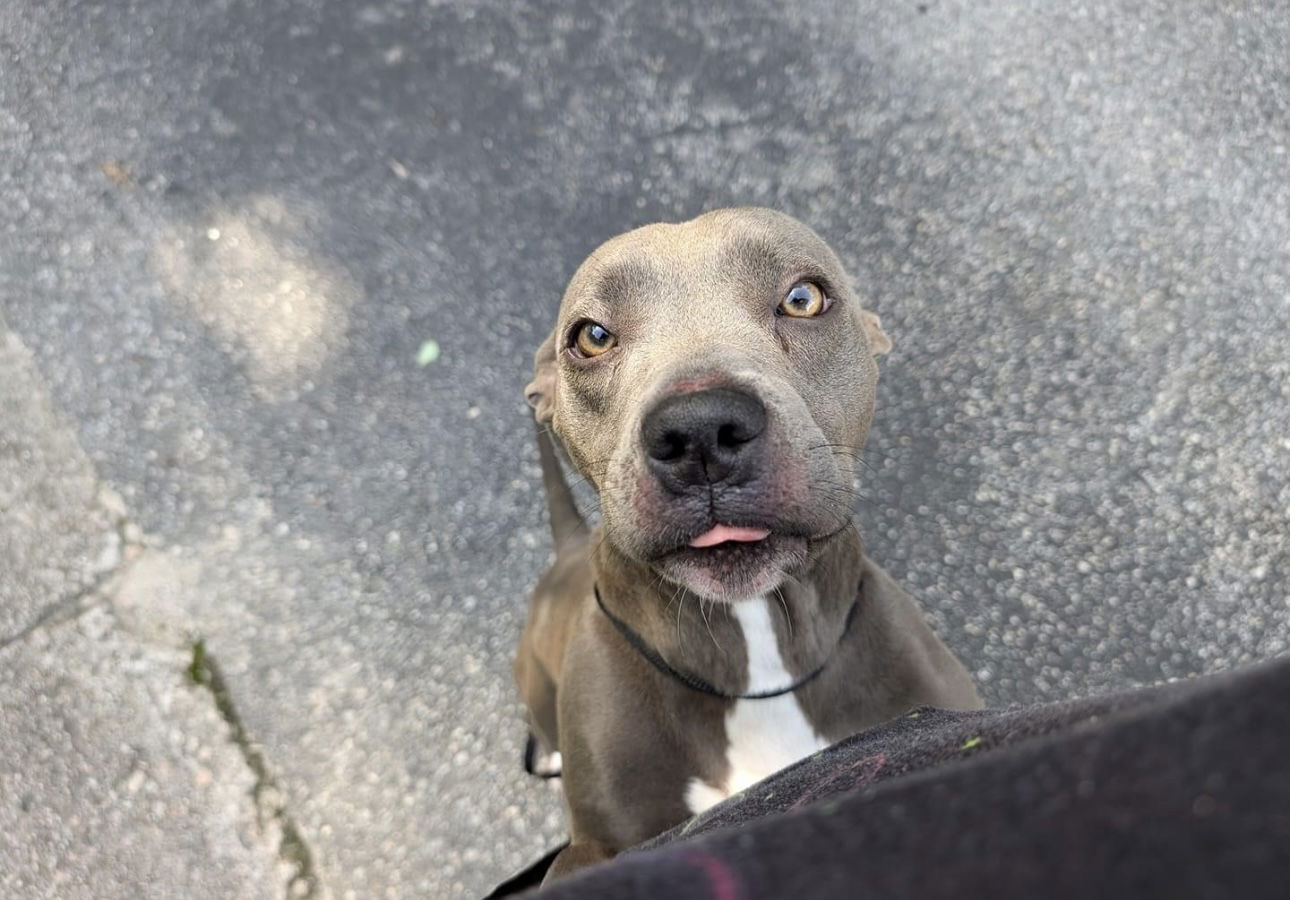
807, 611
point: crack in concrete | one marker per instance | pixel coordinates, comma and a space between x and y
100, 592
55, 615
205, 672
202, 671
82, 601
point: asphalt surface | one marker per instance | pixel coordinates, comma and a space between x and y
227, 229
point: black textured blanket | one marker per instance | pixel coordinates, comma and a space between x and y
1181, 790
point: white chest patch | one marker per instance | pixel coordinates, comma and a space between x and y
763, 736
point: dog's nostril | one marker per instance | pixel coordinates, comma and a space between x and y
730, 436
669, 446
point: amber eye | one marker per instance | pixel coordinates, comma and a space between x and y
593, 339
803, 300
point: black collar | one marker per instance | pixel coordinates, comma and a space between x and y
694, 682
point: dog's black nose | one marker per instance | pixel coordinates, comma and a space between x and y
705, 437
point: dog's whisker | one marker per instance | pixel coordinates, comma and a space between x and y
708, 624
586, 479
845, 447
838, 502
871, 450
850, 454
676, 593
788, 620
658, 583
679, 607
883, 500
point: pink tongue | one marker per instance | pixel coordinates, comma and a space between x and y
722, 533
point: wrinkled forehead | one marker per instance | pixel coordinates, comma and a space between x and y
668, 265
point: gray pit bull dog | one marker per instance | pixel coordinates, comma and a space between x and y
714, 380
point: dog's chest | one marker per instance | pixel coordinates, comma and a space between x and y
762, 736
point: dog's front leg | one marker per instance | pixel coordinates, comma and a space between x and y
578, 855
625, 771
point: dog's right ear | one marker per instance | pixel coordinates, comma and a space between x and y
540, 392
879, 343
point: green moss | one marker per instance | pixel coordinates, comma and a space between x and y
197, 672
204, 671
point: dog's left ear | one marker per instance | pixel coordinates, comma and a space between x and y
879, 343
540, 392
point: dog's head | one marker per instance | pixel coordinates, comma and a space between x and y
715, 381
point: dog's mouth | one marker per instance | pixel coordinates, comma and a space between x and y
732, 562
729, 534
729, 561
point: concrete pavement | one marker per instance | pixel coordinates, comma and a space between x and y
226, 230
118, 776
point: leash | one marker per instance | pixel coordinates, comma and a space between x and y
694, 682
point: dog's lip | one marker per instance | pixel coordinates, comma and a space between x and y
750, 551
774, 533
719, 537
720, 534
735, 569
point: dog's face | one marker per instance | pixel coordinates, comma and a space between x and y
715, 381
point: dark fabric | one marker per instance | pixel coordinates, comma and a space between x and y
1176, 791
527, 878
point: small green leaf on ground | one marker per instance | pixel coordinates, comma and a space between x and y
428, 353
971, 743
